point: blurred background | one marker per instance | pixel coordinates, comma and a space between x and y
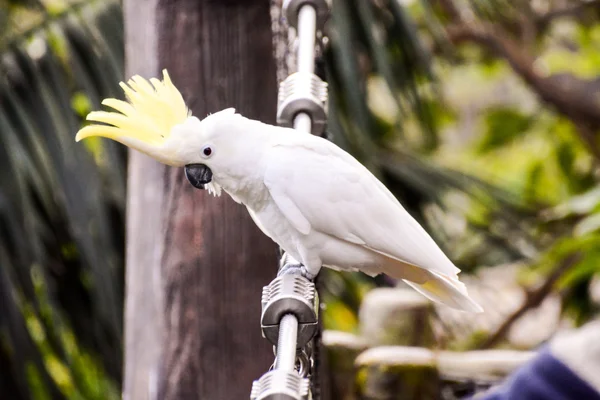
481, 116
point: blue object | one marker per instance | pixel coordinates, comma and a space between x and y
543, 378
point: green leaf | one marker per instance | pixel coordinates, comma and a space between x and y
534, 177
581, 204
587, 225
502, 126
583, 270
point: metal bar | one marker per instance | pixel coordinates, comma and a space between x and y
286, 345
307, 29
302, 122
287, 340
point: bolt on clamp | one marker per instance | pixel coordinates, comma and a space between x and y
280, 385
303, 361
303, 92
290, 294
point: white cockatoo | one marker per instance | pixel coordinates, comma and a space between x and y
312, 198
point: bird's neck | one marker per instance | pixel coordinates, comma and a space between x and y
243, 190
244, 179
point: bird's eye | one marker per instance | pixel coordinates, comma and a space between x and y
207, 151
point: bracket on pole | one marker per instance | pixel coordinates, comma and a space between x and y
290, 294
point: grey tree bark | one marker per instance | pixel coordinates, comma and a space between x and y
196, 264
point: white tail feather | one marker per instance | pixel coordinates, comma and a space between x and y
431, 284
448, 291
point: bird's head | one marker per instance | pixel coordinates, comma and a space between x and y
156, 121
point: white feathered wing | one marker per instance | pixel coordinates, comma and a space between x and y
319, 186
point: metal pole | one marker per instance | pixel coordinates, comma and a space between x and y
286, 345
290, 302
302, 122
307, 28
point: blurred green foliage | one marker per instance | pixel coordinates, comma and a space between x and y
503, 125
61, 208
468, 145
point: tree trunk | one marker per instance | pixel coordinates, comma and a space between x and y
196, 264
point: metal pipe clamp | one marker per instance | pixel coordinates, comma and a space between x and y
290, 294
280, 385
303, 93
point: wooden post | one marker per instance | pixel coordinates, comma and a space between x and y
396, 372
342, 348
143, 284
196, 264
394, 316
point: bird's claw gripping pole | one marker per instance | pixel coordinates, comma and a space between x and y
290, 304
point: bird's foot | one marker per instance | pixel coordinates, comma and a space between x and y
296, 269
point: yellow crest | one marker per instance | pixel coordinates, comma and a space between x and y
151, 111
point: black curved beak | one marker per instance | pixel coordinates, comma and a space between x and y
198, 175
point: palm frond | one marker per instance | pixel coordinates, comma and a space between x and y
61, 208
